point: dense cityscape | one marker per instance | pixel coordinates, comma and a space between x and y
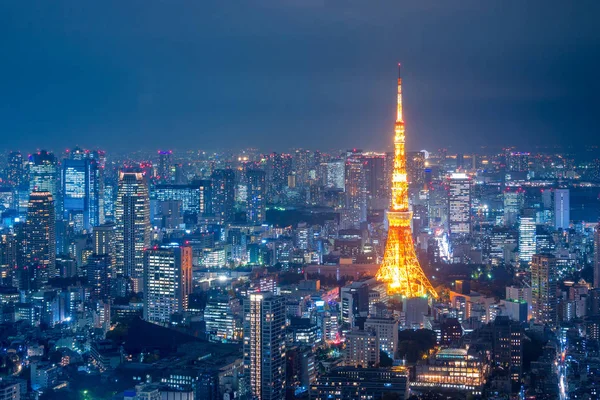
254, 200
301, 275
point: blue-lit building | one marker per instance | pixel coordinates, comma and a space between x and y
82, 197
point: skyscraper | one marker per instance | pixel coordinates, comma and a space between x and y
415, 168
459, 204
163, 172
256, 207
15, 172
513, 204
82, 197
543, 288
167, 282
355, 210
43, 174
279, 167
223, 194
40, 238
333, 174
375, 182
133, 233
597, 256
264, 346
561, 209
98, 274
400, 268
105, 241
527, 235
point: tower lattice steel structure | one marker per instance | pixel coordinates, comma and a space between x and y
400, 268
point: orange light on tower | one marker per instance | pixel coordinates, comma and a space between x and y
400, 268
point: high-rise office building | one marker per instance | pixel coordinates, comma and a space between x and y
40, 237
527, 235
81, 190
221, 323
597, 256
109, 198
376, 185
301, 164
543, 288
98, 272
415, 168
386, 330
362, 349
105, 241
333, 174
167, 282
43, 175
223, 194
508, 346
279, 168
256, 207
133, 230
459, 204
163, 172
8, 259
355, 210
561, 209
264, 346
192, 196
513, 204
15, 171
205, 197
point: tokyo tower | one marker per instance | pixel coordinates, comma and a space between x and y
400, 268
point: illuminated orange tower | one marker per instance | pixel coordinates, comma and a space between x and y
400, 267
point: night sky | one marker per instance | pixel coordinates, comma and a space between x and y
318, 74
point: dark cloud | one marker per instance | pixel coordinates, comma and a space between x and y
284, 73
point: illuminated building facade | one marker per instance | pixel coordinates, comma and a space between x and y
40, 238
362, 349
167, 282
163, 172
221, 323
517, 161
256, 200
513, 204
133, 232
189, 195
459, 204
105, 238
223, 194
527, 236
400, 268
376, 184
98, 274
561, 209
508, 346
264, 346
349, 383
15, 171
543, 288
415, 168
386, 330
82, 198
451, 370
333, 174
597, 256
43, 174
355, 210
